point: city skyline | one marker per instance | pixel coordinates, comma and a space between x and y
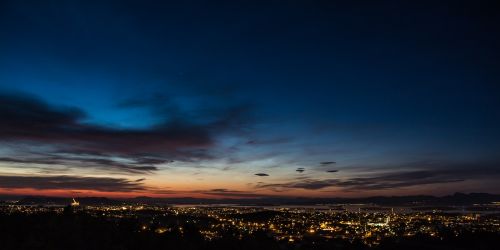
248, 100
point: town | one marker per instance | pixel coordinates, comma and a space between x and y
288, 226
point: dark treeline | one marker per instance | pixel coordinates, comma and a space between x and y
82, 231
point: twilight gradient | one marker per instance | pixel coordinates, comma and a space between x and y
248, 99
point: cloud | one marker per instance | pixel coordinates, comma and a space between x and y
64, 182
63, 138
327, 163
280, 140
398, 180
394, 180
311, 184
261, 174
99, 163
28, 161
223, 192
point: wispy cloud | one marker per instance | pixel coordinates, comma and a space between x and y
65, 182
223, 192
324, 163
390, 180
98, 163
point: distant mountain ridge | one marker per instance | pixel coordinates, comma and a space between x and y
455, 199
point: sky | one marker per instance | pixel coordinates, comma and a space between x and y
249, 99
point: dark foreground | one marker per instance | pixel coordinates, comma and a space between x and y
86, 230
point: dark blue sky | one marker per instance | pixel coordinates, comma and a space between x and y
403, 97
